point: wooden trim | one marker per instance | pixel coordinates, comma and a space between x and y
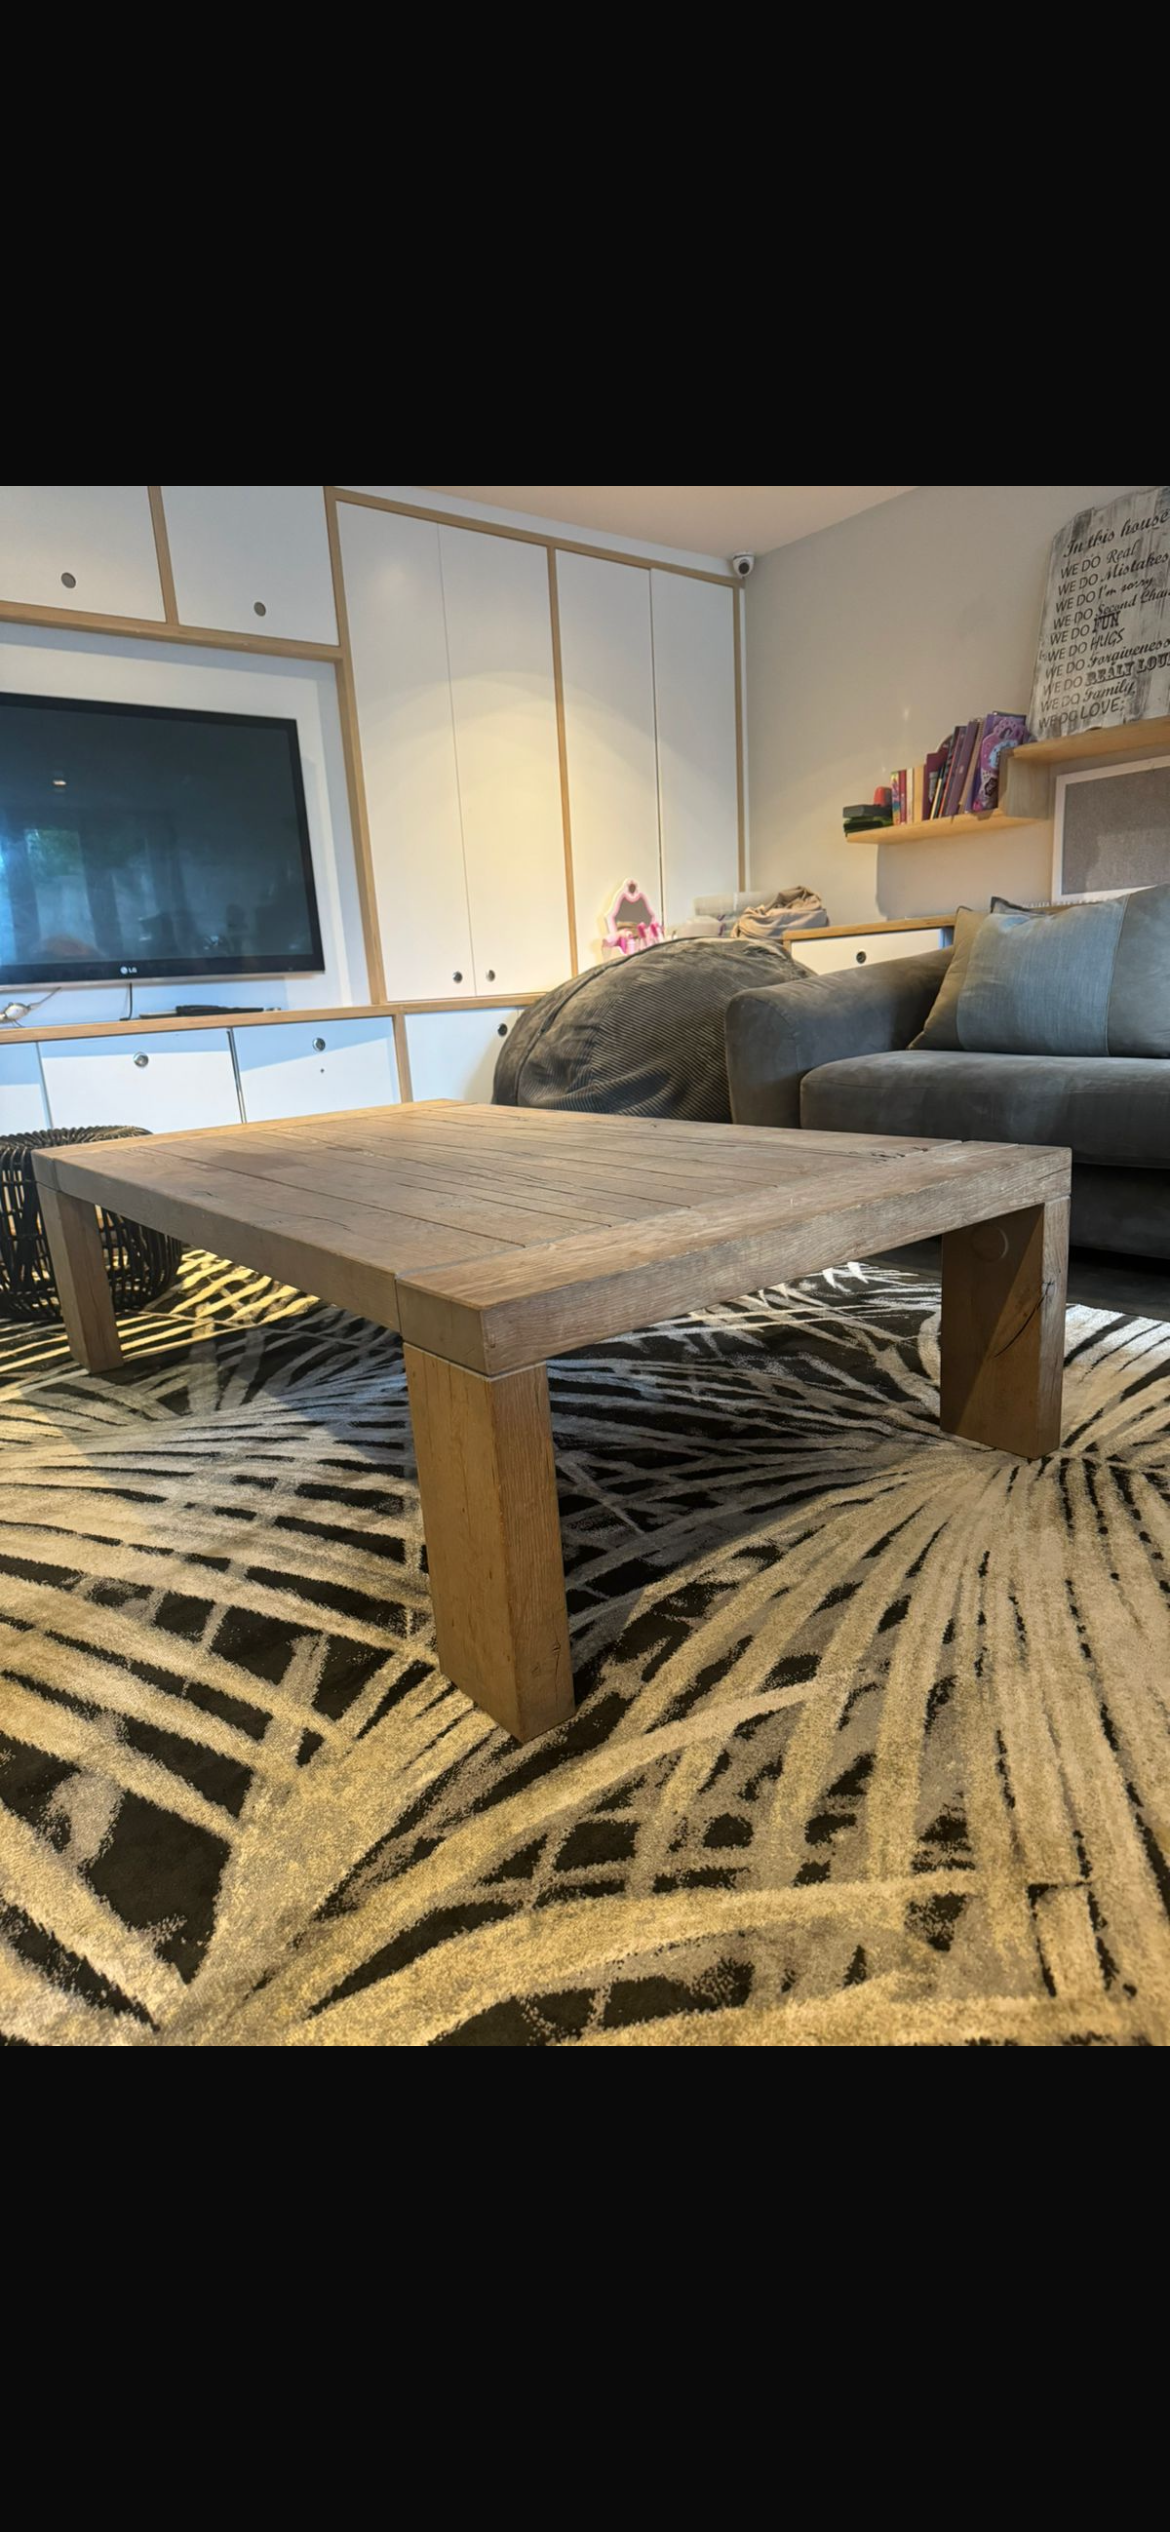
741, 825
562, 751
862, 931
526, 536
162, 547
13, 612
402, 1056
157, 1022
354, 777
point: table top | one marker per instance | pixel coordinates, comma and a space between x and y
499, 1236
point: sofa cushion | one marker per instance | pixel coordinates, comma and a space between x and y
1115, 1111
1088, 979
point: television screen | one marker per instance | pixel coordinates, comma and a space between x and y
137, 841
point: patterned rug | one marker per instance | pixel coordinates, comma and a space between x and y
871, 1746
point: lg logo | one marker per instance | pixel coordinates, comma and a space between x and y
127, 971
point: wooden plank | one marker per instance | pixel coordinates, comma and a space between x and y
354, 777
536, 1189
1126, 738
263, 1019
487, 1485
211, 636
862, 931
79, 1270
162, 549
529, 536
1002, 1338
540, 1302
562, 753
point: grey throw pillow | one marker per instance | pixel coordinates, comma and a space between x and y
1068, 980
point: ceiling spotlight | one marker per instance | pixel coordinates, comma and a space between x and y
59, 782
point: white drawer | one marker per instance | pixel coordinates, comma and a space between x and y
453, 1053
22, 1100
165, 1083
864, 949
307, 1068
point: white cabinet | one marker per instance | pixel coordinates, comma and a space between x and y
607, 668
314, 1068
453, 1053
252, 558
694, 696
864, 949
22, 1100
86, 546
398, 639
499, 649
164, 1081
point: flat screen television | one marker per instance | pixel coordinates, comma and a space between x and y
140, 841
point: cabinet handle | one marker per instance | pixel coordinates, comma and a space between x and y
860, 956
502, 1030
491, 975
457, 978
318, 1046
258, 607
140, 1060
68, 580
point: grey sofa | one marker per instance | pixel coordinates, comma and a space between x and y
833, 1051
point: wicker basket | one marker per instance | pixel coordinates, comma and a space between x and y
139, 1263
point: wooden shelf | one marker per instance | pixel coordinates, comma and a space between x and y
924, 830
154, 1023
1126, 738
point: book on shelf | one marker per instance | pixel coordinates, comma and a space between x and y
958, 778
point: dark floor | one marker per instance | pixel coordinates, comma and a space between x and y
1098, 1278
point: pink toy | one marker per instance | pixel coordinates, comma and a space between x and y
631, 914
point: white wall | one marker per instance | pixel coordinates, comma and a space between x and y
865, 644
37, 660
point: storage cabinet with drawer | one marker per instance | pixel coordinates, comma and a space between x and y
165, 1081
305, 1068
453, 1053
22, 1100
823, 953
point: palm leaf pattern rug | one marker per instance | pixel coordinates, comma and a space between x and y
871, 1744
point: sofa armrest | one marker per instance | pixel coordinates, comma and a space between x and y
776, 1035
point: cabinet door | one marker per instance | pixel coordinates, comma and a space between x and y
499, 649
163, 1082
306, 1068
694, 693
453, 1053
252, 558
22, 1100
394, 601
86, 546
607, 669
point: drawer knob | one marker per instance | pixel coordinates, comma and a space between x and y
491, 975
140, 1060
318, 1046
258, 607
860, 956
502, 1030
68, 580
457, 978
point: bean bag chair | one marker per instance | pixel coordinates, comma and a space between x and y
640, 1036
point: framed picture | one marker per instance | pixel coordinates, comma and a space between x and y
1111, 830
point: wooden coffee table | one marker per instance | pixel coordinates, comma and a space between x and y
495, 1238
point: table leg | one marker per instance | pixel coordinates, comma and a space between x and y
489, 1510
79, 1270
1002, 1340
